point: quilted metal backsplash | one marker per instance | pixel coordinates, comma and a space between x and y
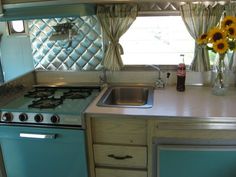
85, 52
159, 6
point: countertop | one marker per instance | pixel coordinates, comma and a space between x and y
194, 102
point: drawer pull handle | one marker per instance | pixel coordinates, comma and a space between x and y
120, 157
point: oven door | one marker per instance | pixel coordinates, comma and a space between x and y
43, 152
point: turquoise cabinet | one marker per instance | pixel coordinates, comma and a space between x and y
196, 161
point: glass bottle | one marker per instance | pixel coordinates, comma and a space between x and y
181, 75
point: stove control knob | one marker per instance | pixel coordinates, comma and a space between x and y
38, 118
23, 117
55, 119
7, 117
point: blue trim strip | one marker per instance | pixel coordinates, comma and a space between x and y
55, 11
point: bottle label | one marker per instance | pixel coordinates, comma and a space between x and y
181, 71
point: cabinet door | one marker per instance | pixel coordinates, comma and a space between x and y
21, 1
196, 161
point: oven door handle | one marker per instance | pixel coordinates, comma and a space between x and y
38, 136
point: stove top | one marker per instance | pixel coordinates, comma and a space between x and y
53, 106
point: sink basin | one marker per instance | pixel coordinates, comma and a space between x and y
127, 96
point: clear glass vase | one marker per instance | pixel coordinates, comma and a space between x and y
220, 74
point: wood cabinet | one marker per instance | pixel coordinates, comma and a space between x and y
122, 146
106, 172
118, 146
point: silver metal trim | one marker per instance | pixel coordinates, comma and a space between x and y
159, 13
149, 68
65, 119
196, 126
37, 136
63, 2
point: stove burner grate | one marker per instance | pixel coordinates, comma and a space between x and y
77, 94
40, 93
46, 103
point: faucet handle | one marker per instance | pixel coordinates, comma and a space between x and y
160, 83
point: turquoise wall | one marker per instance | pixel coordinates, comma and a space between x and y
16, 54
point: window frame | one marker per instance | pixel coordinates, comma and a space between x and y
12, 32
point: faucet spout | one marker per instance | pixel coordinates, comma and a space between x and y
157, 68
103, 77
159, 82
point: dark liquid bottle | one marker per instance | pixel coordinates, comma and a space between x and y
181, 74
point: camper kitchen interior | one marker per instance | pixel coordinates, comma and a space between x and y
120, 88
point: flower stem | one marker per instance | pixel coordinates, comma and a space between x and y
220, 73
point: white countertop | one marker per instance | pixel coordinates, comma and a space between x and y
196, 102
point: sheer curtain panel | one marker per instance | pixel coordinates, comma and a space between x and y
115, 20
198, 19
230, 9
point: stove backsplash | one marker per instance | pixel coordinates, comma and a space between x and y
14, 88
84, 52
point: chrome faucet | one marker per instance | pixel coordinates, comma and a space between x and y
103, 77
160, 83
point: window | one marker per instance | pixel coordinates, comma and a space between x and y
157, 40
17, 27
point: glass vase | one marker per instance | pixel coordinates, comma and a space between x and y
220, 74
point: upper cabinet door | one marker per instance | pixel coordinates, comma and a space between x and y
25, 10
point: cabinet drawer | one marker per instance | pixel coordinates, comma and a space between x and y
105, 172
120, 156
119, 131
196, 130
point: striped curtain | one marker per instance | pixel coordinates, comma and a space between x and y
115, 20
198, 19
230, 9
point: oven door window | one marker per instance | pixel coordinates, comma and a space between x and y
43, 152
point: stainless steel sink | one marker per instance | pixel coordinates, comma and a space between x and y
127, 96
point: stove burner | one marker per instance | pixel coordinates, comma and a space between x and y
40, 93
77, 94
46, 103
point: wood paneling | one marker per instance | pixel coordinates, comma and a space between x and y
119, 131
105, 172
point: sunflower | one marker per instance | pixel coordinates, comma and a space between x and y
220, 46
232, 45
216, 34
227, 21
203, 39
231, 30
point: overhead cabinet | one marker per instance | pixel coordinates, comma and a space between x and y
34, 9
25, 10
